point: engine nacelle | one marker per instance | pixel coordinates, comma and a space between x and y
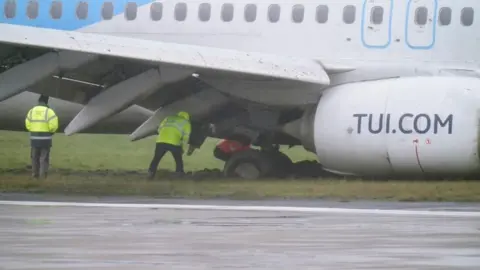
413, 126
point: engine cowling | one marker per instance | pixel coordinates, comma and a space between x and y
412, 125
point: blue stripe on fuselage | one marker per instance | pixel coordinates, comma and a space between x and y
68, 20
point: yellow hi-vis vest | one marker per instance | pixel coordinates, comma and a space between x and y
42, 122
174, 130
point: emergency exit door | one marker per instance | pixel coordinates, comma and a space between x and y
376, 23
421, 23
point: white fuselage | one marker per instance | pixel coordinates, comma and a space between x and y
347, 31
396, 39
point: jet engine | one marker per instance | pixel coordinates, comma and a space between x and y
401, 126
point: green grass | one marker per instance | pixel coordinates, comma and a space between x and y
247, 189
84, 152
112, 165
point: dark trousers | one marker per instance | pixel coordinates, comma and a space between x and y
40, 161
160, 150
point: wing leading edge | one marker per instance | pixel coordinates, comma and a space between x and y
198, 58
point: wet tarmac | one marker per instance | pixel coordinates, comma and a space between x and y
77, 237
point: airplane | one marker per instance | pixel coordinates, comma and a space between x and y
372, 87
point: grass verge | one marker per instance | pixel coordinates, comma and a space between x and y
87, 152
109, 164
461, 191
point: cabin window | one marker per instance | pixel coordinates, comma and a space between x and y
227, 12
421, 15
56, 10
82, 10
107, 11
467, 16
32, 9
156, 11
10, 9
377, 15
349, 14
298, 12
180, 12
204, 12
131, 11
274, 13
445, 16
250, 12
322, 14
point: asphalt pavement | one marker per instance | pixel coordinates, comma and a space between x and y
115, 236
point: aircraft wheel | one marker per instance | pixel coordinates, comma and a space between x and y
283, 165
251, 164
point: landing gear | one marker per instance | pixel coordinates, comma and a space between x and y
255, 164
283, 165
250, 164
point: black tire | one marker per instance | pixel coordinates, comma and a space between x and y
286, 165
282, 164
258, 160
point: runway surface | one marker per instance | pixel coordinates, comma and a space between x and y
155, 235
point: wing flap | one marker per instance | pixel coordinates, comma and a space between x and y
197, 57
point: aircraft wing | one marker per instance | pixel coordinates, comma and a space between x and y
160, 65
196, 57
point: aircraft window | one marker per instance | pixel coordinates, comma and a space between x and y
32, 9
250, 12
82, 10
56, 10
274, 13
131, 11
180, 11
156, 11
227, 12
322, 14
10, 9
467, 16
107, 11
445, 16
377, 15
204, 12
349, 14
298, 12
421, 15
